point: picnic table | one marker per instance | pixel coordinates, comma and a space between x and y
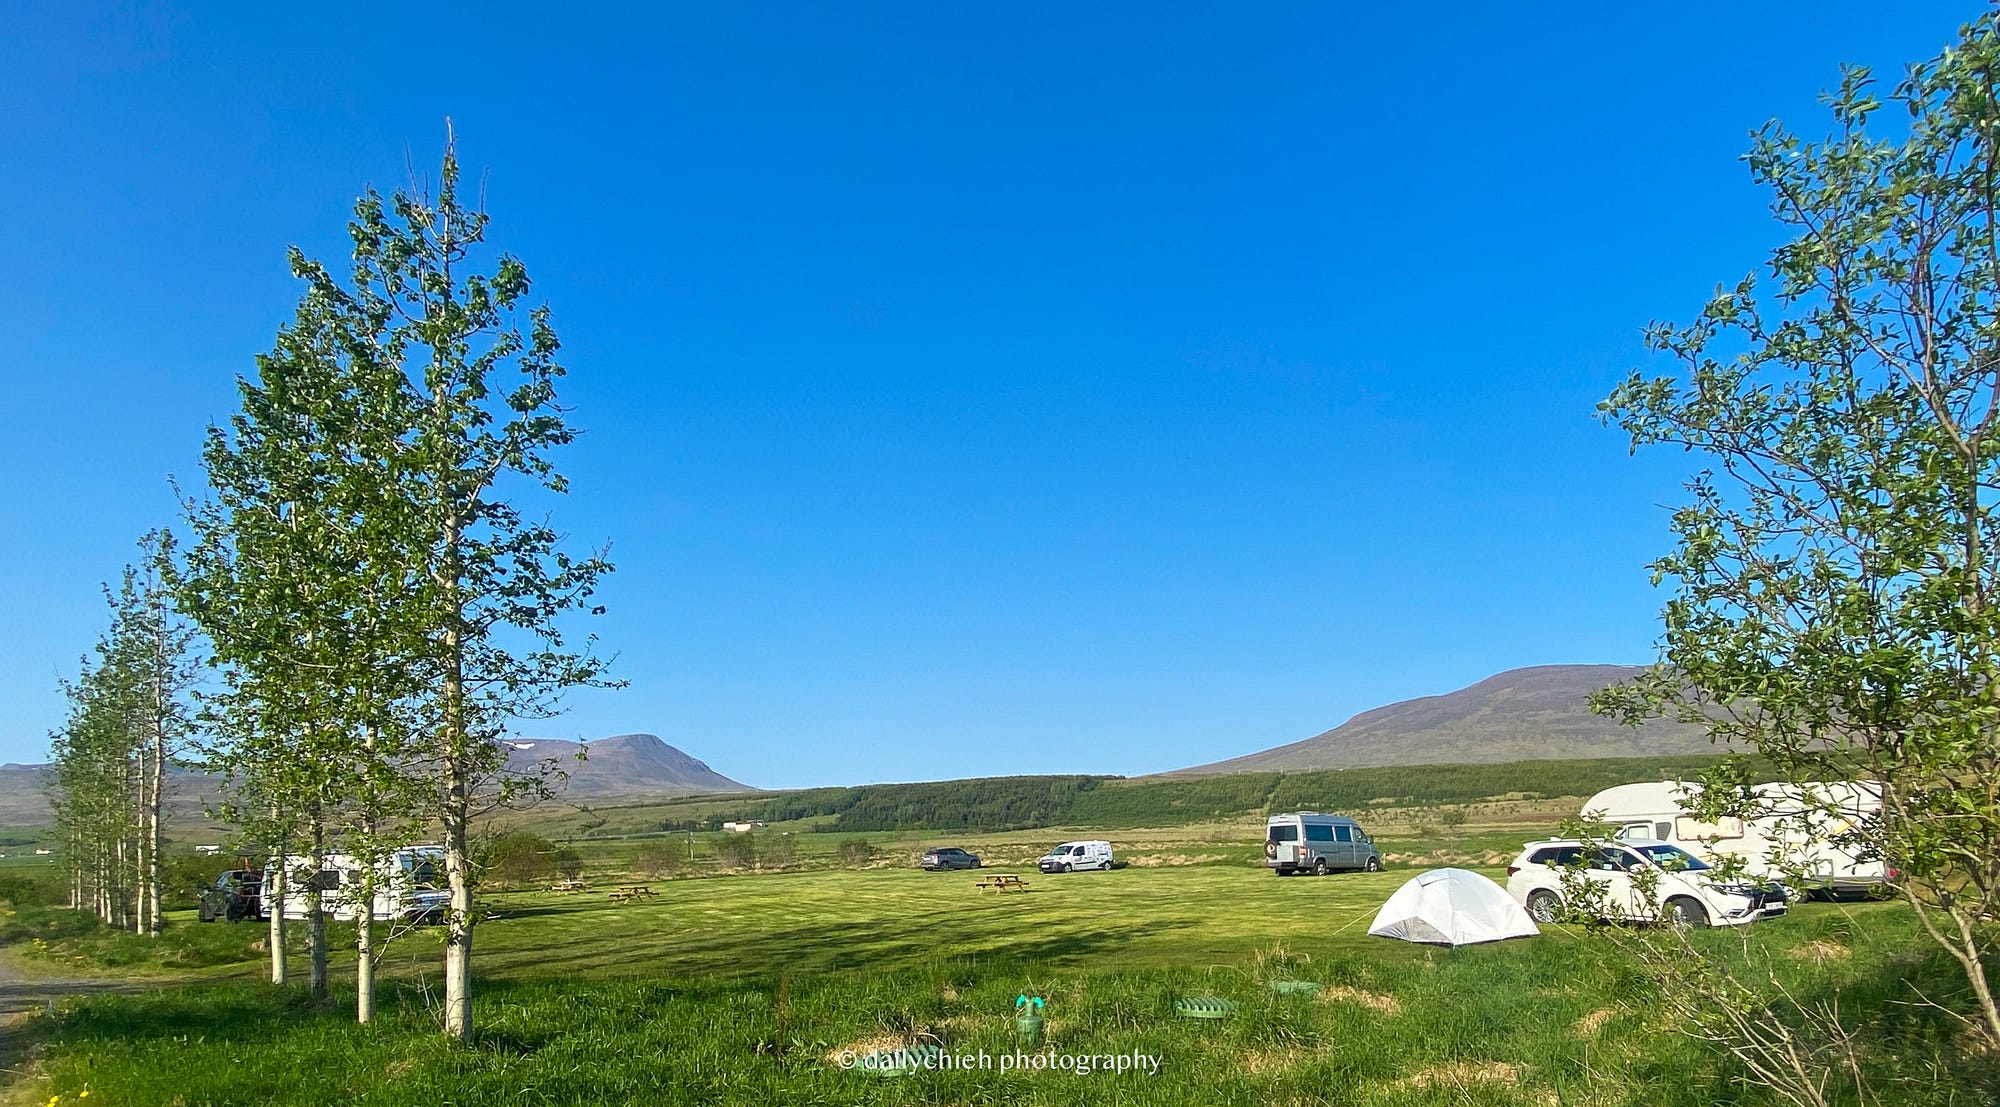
569, 886
1002, 882
628, 892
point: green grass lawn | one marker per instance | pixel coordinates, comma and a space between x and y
747, 989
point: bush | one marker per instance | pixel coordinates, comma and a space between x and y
658, 858
736, 851
856, 852
520, 858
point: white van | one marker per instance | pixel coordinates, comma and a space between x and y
1071, 857
1771, 837
409, 885
1309, 841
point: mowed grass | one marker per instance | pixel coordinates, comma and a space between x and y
891, 919
747, 990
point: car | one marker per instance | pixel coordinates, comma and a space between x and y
1684, 891
948, 857
1307, 841
235, 896
1071, 857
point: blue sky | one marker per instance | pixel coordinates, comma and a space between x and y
969, 389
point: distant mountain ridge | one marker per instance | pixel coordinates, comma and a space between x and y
622, 765
636, 765
1536, 713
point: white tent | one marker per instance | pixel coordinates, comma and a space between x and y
1452, 907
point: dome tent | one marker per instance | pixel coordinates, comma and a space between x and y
1452, 907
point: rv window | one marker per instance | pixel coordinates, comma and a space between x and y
1663, 831
1319, 833
1345, 834
1285, 832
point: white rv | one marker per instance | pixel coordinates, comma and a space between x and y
409, 885
1784, 838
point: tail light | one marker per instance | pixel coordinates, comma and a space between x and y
1512, 869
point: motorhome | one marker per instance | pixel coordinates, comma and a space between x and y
1308, 841
409, 885
1790, 833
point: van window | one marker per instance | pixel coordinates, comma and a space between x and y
1285, 832
1316, 833
1344, 833
1663, 831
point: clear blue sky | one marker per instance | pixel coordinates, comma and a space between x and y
970, 388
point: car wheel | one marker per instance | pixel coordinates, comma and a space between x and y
1068, 867
1682, 911
1544, 906
1319, 866
1374, 864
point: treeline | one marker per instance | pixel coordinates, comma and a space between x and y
987, 803
1026, 802
127, 719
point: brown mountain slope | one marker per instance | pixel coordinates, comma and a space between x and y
1519, 715
627, 765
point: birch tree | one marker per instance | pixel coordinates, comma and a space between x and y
475, 390
1836, 575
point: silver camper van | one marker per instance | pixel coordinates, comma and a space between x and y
1308, 840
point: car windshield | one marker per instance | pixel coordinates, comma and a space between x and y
1672, 858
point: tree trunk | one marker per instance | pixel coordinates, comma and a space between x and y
457, 804
364, 961
459, 922
274, 902
316, 909
152, 918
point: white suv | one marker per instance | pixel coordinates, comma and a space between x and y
1683, 891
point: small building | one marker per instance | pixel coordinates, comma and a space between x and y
743, 827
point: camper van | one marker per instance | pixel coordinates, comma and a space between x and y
1308, 840
408, 885
1770, 841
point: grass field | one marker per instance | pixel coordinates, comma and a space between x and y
750, 988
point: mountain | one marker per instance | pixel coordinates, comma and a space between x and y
1519, 715
629, 765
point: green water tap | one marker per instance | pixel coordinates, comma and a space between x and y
1028, 1020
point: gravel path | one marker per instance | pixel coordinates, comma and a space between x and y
23, 991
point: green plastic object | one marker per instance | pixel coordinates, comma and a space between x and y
1028, 1020
1204, 1007
1293, 987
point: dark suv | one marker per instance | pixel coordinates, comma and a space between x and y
949, 857
236, 895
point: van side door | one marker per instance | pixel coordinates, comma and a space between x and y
1344, 854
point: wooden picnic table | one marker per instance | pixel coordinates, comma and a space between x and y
1002, 882
627, 892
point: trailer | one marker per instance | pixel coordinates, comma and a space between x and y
407, 885
1797, 834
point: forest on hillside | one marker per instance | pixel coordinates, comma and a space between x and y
1026, 802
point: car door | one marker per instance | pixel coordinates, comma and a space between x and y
1612, 867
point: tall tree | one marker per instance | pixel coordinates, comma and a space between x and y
1836, 579
278, 579
475, 390
383, 609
